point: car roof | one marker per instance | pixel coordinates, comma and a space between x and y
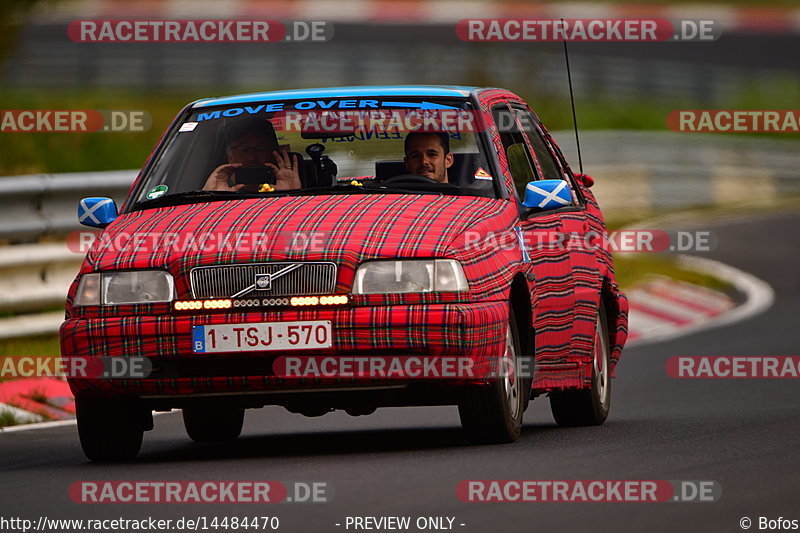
453, 91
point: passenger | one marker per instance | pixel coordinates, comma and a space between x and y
254, 144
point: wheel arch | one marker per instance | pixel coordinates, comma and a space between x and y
609, 300
520, 298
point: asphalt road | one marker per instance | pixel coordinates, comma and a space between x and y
406, 462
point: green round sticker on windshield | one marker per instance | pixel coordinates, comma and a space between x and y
157, 191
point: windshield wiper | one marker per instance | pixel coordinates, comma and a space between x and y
364, 188
200, 196
191, 196
341, 187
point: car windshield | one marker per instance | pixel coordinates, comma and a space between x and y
366, 145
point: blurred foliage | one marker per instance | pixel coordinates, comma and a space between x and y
45, 346
7, 418
27, 153
13, 14
604, 111
40, 346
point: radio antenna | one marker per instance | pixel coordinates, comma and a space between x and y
572, 101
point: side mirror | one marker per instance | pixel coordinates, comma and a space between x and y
544, 195
97, 212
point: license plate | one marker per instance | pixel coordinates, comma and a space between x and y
262, 336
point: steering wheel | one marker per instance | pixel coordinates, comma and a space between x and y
409, 178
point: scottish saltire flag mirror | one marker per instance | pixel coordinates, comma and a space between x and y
97, 212
547, 194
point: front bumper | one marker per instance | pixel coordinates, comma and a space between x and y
466, 331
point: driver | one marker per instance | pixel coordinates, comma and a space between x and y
254, 144
428, 154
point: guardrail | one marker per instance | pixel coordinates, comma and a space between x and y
637, 173
46, 204
640, 172
34, 277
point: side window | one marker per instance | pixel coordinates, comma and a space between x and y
547, 164
520, 162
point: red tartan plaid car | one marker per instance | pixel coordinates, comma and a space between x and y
346, 248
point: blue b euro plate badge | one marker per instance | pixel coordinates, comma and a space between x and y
199, 339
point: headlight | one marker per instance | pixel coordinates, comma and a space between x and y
131, 287
430, 275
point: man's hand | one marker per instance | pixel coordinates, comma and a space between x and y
218, 180
287, 171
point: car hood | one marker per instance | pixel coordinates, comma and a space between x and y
346, 229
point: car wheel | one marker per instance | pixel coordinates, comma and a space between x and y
493, 414
588, 407
216, 424
109, 429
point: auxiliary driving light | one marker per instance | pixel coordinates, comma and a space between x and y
202, 304
189, 305
337, 299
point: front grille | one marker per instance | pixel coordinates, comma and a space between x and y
224, 281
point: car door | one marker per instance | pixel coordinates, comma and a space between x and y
554, 292
576, 241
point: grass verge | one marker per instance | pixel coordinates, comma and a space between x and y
631, 269
7, 418
10, 418
41, 346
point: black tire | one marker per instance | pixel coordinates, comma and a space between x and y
217, 424
109, 429
493, 414
588, 407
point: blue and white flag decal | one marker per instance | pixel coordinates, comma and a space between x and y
547, 194
97, 212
